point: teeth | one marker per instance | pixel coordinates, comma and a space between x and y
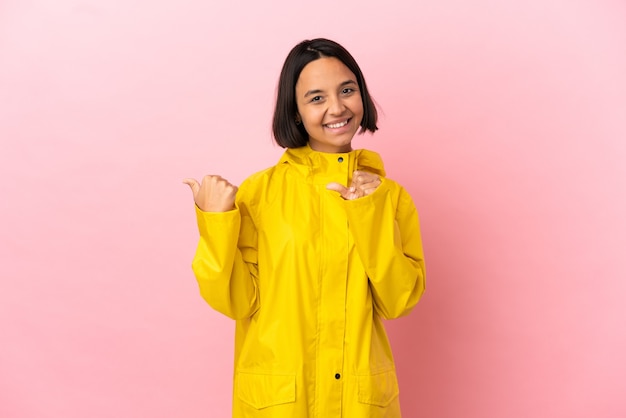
337, 125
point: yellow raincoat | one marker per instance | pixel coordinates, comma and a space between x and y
308, 276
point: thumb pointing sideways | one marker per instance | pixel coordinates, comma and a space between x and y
193, 184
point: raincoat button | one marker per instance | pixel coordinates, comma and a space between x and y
340, 159
337, 376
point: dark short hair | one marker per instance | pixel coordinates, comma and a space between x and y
287, 133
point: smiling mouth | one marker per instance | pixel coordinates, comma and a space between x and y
338, 125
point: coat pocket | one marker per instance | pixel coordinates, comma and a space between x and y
262, 390
378, 389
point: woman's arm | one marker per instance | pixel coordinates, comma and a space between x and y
386, 232
225, 263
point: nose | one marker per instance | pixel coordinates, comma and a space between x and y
336, 105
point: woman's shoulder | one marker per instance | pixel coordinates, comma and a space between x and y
255, 186
259, 178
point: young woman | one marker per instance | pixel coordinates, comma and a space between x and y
309, 256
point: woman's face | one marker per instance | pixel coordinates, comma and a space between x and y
329, 104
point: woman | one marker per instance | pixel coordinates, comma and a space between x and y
310, 255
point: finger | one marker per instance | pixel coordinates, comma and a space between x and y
337, 187
341, 189
360, 178
193, 184
369, 180
357, 178
353, 195
368, 191
369, 186
231, 191
219, 181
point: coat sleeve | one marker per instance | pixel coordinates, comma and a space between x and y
225, 263
386, 232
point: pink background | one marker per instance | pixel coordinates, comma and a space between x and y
505, 121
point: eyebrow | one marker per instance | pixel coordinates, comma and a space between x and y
345, 83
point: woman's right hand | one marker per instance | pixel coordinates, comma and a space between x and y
214, 194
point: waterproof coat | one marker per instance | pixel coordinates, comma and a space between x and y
309, 276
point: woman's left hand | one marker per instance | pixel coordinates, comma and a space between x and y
363, 183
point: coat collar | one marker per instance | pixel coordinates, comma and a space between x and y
307, 159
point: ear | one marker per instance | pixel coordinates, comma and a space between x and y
298, 119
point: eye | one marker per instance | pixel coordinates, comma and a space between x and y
347, 90
316, 99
